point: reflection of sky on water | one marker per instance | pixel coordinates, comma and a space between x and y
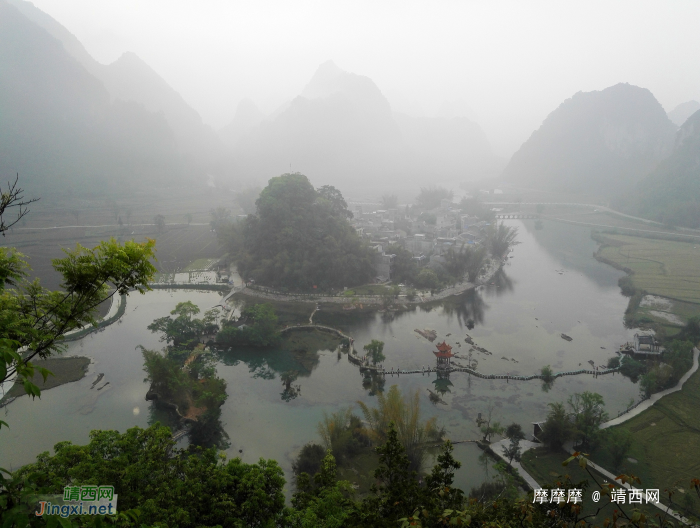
552, 285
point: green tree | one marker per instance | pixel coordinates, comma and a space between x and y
619, 443
183, 330
588, 409
404, 412
558, 428
427, 278
260, 328
300, 238
500, 238
405, 268
168, 486
374, 350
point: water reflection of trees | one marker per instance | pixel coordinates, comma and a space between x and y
500, 283
469, 309
373, 383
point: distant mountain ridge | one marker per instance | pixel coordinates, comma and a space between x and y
671, 193
130, 79
683, 111
600, 142
59, 125
342, 129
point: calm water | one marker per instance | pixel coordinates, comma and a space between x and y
552, 285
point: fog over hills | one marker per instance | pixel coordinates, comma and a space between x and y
59, 123
131, 80
596, 142
341, 126
683, 111
671, 193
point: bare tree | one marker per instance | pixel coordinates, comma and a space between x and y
13, 197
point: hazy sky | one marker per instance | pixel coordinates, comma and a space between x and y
511, 62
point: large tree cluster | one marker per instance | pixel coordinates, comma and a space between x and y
299, 238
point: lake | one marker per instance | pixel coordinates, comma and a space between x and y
551, 285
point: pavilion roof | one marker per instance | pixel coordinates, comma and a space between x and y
443, 351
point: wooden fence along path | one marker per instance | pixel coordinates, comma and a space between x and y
365, 366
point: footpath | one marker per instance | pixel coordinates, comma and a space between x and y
497, 447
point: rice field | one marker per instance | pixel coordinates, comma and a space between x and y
660, 267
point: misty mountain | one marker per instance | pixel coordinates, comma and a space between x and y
247, 117
683, 111
130, 79
597, 142
671, 193
59, 124
342, 129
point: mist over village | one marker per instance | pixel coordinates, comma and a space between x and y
367, 264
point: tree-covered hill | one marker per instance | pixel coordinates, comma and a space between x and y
671, 193
299, 238
599, 142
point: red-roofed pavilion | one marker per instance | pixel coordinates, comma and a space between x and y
443, 353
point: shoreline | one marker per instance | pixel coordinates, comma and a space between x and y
422, 297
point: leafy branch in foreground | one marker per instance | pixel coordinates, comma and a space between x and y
33, 319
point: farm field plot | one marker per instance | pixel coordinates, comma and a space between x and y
666, 443
176, 246
660, 267
201, 264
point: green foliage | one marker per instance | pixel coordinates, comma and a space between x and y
691, 331
619, 443
260, 328
557, 429
168, 486
300, 238
467, 260
184, 331
430, 197
632, 368
309, 459
547, 374
588, 409
404, 412
613, 362
32, 316
343, 434
374, 350
500, 238
405, 268
184, 383
427, 279
627, 286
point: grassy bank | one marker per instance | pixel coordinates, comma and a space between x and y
101, 324
546, 468
666, 443
665, 269
64, 369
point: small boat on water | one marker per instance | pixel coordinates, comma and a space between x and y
566, 337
